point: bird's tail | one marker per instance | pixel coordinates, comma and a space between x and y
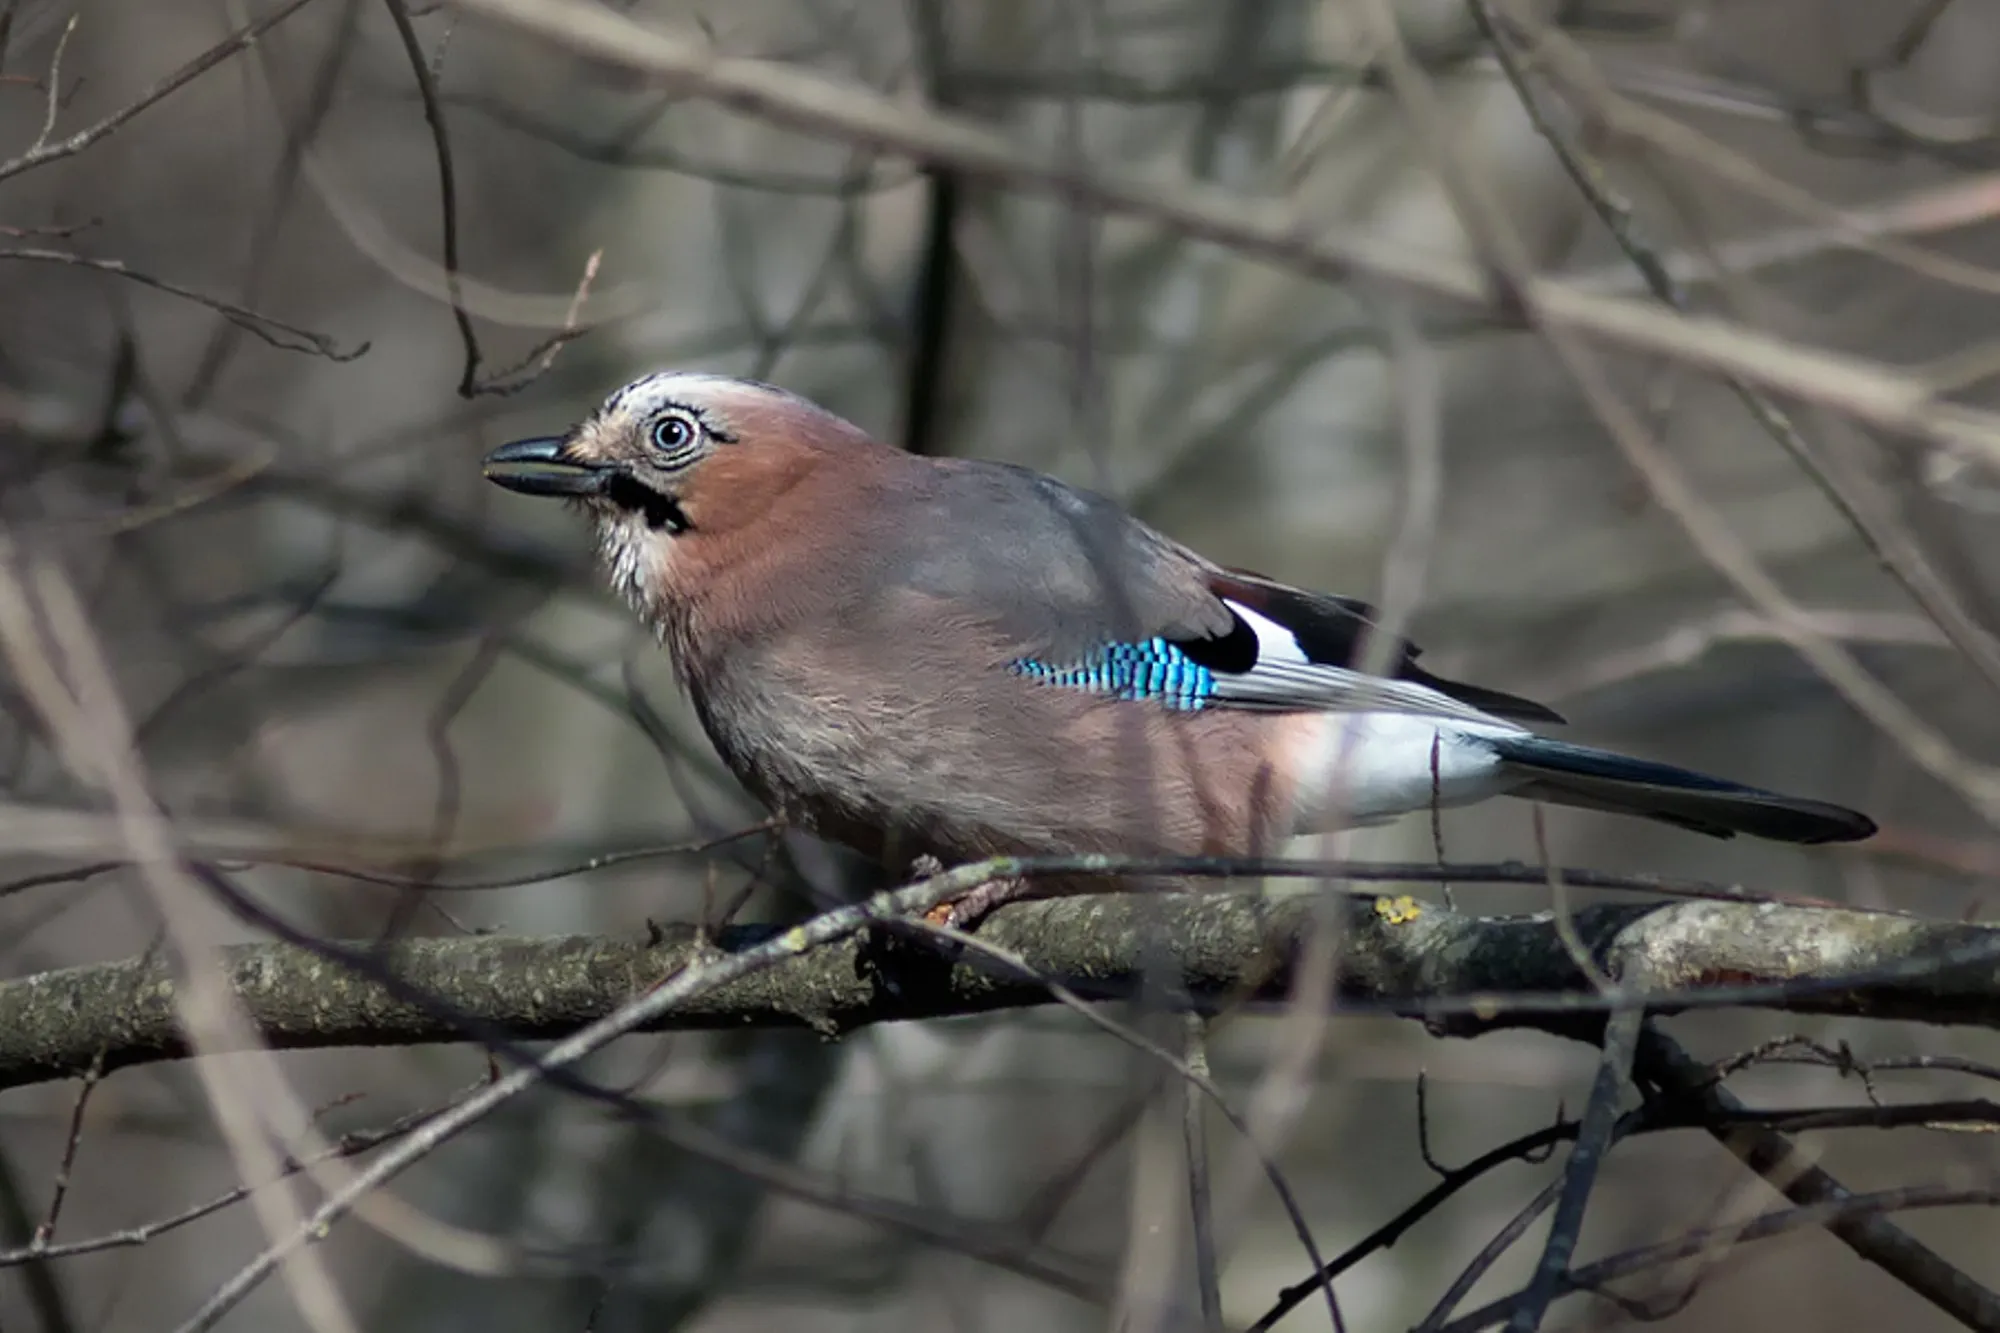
1576, 775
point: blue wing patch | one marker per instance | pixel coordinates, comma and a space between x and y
1155, 670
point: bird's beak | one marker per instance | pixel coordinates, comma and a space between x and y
539, 467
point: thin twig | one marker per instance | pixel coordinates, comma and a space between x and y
1207, 1261
1489, 1254
46, 1231
1662, 1063
1594, 1137
1193, 1077
1852, 1207
928, 361
285, 337
1533, 1147
265, 233
55, 86
1687, 643
347, 1145
1559, 905
243, 37
619, 150
1506, 248
541, 358
420, 68
38, 1281
50, 232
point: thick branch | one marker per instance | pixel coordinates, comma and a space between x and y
1398, 956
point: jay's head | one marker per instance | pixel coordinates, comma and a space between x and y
678, 452
679, 468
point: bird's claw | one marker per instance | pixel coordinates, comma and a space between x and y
973, 906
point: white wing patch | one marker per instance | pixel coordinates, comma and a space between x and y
1275, 643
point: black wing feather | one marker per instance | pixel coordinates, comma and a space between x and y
1333, 631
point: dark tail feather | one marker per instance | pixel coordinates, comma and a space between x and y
1511, 706
1600, 780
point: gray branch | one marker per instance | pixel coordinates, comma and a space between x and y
1461, 972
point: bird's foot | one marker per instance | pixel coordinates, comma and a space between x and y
975, 905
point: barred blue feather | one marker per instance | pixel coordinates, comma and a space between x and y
1155, 670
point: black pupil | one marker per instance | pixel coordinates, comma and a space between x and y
672, 433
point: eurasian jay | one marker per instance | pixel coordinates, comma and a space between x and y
944, 658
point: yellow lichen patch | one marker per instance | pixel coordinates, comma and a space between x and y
1400, 910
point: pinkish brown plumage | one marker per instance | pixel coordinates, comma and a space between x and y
949, 658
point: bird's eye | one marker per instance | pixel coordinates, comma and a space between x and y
674, 434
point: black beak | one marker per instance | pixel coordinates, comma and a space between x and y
538, 467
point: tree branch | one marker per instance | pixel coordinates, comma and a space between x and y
1461, 972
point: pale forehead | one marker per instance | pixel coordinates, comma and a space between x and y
693, 388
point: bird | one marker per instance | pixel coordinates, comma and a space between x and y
936, 660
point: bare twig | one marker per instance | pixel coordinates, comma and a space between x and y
1594, 1137
50, 645
45, 1232
1489, 1254
420, 68
621, 151
300, 130
541, 358
929, 362
243, 37
39, 1283
1687, 643
1678, 1076
54, 99
1705, 1240
1533, 1147
52, 232
1207, 1260
1977, 783
285, 337
1195, 1078
347, 1145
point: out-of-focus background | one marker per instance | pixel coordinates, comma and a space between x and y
323, 623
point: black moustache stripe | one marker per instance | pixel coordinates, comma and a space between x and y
662, 511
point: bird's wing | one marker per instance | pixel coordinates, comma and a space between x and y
1312, 643
1095, 599
1057, 571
